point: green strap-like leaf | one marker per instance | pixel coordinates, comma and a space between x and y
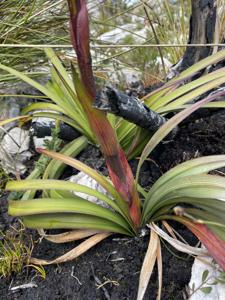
206, 182
93, 174
156, 95
28, 80
168, 126
202, 64
66, 205
194, 94
42, 184
192, 167
58, 65
72, 221
56, 167
196, 188
10, 120
41, 106
72, 122
190, 90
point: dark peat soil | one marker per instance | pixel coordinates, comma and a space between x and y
117, 261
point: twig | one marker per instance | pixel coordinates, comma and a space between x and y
111, 253
100, 284
109, 46
114, 282
155, 35
72, 274
24, 286
117, 259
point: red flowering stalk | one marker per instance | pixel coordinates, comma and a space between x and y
119, 169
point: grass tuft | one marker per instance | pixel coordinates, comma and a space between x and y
15, 251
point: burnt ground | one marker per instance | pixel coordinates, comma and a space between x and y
118, 259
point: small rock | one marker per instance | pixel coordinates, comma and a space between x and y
14, 150
40, 142
17, 140
118, 35
131, 78
201, 286
84, 179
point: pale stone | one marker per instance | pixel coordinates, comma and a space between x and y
14, 150
17, 140
195, 285
40, 142
84, 179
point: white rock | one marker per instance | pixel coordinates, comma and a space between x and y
24, 156
17, 140
14, 150
40, 142
84, 179
127, 76
195, 285
117, 35
43, 120
167, 63
11, 164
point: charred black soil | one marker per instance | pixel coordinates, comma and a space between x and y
116, 262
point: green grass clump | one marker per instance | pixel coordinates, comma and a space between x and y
14, 252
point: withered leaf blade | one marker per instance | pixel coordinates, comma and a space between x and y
74, 253
148, 264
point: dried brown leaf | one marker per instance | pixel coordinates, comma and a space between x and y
74, 253
148, 264
160, 270
68, 236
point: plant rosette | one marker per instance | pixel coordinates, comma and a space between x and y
186, 193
